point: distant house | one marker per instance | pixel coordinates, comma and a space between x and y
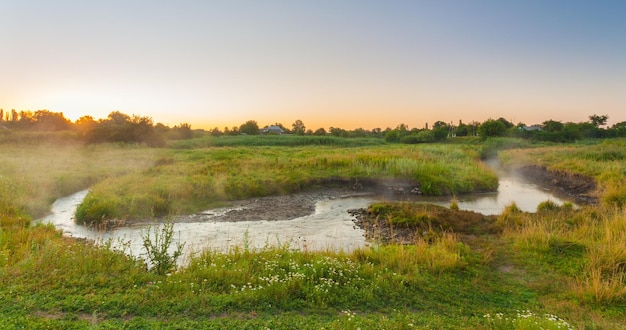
530, 128
273, 129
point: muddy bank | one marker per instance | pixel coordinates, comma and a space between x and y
467, 223
429, 221
271, 208
295, 205
580, 187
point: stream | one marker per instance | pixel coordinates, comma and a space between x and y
330, 227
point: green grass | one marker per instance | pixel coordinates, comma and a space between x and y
603, 161
559, 261
32, 176
273, 140
423, 217
187, 181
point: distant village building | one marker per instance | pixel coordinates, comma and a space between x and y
530, 128
273, 129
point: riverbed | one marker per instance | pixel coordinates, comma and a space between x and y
326, 226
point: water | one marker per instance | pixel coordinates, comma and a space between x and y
512, 187
329, 227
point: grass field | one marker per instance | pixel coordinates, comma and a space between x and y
187, 181
555, 269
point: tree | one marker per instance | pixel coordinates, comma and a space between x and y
50, 121
183, 131
117, 118
320, 132
26, 119
250, 127
620, 129
377, 132
552, 126
298, 127
14, 116
462, 130
85, 125
393, 136
507, 124
491, 128
339, 132
598, 121
216, 132
440, 130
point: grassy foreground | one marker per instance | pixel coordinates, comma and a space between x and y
556, 269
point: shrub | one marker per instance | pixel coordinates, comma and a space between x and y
157, 247
95, 210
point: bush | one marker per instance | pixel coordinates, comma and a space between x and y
157, 247
94, 210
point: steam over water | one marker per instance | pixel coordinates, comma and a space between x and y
329, 227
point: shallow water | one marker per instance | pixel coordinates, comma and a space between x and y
330, 227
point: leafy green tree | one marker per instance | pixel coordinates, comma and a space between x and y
320, 132
553, 126
393, 136
377, 132
298, 127
45, 120
491, 128
216, 132
423, 136
597, 120
250, 127
359, 132
339, 132
85, 125
620, 129
462, 129
440, 130
507, 124
182, 131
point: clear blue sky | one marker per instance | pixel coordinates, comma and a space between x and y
329, 63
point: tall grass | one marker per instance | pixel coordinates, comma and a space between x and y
185, 181
273, 140
33, 176
587, 245
51, 281
602, 161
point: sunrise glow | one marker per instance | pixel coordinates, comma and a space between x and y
345, 64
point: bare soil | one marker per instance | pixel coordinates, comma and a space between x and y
291, 206
580, 187
299, 204
269, 208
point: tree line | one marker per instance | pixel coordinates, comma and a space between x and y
116, 127
120, 127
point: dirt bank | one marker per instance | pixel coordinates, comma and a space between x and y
299, 204
468, 224
580, 187
282, 207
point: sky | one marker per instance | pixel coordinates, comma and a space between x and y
330, 63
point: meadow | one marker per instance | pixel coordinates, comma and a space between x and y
558, 268
188, 181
